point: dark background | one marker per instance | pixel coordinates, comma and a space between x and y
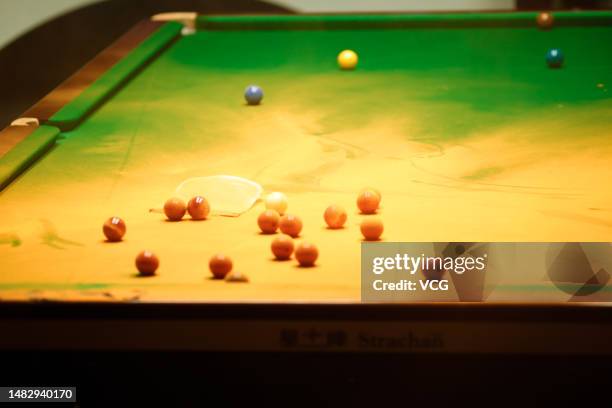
171, 379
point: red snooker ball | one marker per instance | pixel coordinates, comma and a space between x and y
268, 221
291, 225
282, 247
335, 216
368, 201
175, 209
306, 254
372, 229
114, 229
220, 265
147, 263
198, 208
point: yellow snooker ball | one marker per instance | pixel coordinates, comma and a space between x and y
347, 59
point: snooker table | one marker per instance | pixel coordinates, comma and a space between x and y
455, 118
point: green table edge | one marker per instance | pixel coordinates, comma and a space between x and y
393, 21
26, 152
73, 113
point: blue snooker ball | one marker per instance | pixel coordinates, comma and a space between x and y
253, 95
554, 58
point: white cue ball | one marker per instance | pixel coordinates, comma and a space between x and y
276, 201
